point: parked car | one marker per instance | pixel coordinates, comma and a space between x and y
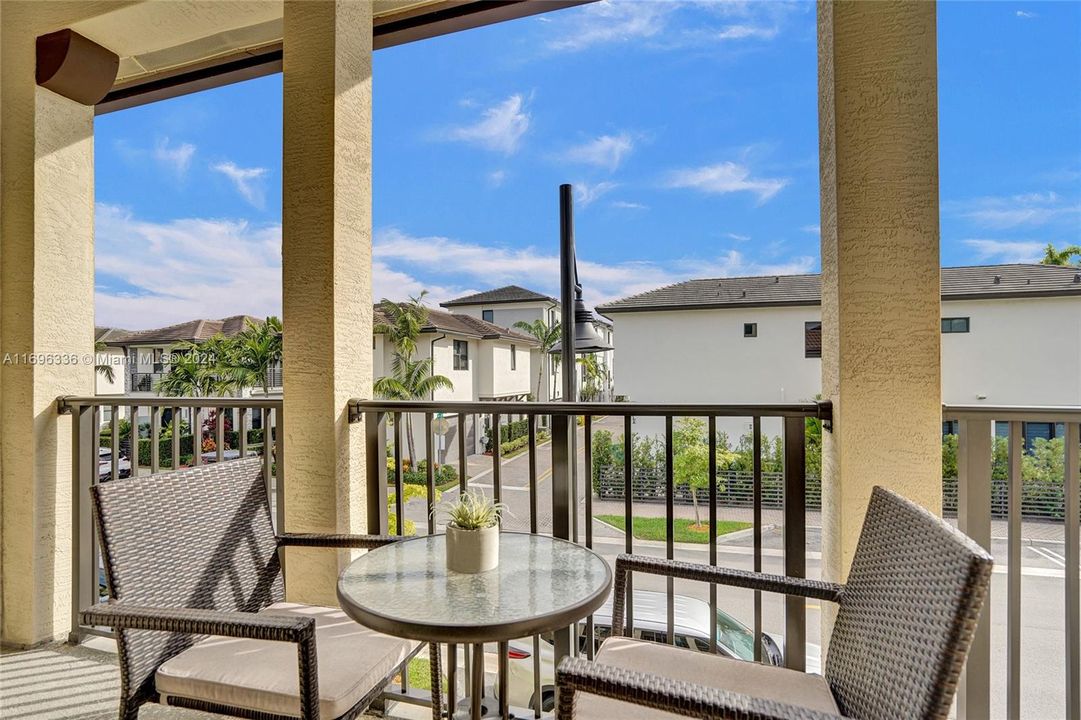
105, 465
692, 631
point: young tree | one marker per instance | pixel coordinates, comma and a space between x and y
547, 337
410, 379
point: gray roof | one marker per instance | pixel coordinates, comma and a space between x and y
192, 331
442, 321
958, 283
505, 294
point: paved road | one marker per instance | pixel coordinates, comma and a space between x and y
1042, 586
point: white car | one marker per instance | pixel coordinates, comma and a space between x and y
692, 626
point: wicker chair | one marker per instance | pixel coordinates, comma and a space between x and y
905, 620
196, 598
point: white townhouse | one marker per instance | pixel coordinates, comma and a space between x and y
1011, 335
483, 360
510, 304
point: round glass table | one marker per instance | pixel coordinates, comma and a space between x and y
542, 584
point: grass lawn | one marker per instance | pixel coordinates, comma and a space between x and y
420, 675
652, 528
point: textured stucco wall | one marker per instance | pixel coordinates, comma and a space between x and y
878, 136
326, 278
46, 306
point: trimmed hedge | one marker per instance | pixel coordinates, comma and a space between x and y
165, 446
507, 433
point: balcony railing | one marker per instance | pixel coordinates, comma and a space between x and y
982, 494
990, 505
568, 512
172, 432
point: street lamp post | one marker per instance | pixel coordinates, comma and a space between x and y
578, 335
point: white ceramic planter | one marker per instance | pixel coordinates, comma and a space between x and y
472, 551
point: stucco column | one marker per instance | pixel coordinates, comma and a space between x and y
326, 277
878, 139
46, 316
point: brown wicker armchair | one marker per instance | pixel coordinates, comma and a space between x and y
905, 620
196, 598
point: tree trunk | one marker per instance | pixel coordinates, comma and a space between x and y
694, 500
409, 441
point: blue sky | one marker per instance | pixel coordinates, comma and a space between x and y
689, 130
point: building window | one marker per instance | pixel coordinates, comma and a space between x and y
159, 365
487, 315
955, 325
513, 358
461, 355
812, 339
750, 329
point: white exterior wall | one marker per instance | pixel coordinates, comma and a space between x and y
506, 314
114, 358
702, 356
497, 377
1017, 352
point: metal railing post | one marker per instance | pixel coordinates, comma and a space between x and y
375, 437
974, 519
84, 469
795, 540
563, 427
1072, 492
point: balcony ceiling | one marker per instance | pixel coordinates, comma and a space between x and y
171, 48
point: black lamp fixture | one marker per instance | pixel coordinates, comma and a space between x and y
574, 314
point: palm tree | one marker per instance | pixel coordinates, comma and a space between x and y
410, 379
252, 353
196, 369
105, 370
593, 375
547, 337
404, 323
1061, 257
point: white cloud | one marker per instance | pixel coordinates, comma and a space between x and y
500, 127
497, 177
1007, 251
609, 22
176, 157
585, 194
627, 205
742, 32
153, 274
737, 237
248, 181
812, 229
1014, 211
606, 151
666, 24
1025, 15
726, 177
488, 266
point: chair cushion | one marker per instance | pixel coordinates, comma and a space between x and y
263, 675
738, 676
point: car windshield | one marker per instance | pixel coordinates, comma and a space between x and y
735, 636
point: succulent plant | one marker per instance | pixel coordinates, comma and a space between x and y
473, 511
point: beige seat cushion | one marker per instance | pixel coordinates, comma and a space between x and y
738, 676
263, 675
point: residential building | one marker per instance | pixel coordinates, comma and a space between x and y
1011, 335
511, 304
483, 361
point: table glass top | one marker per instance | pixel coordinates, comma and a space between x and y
537, 576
